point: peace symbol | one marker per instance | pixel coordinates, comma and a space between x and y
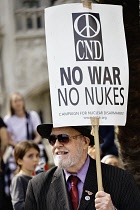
88, 28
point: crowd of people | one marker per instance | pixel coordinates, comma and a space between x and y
20, 125
73, 150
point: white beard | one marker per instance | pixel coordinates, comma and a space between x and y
69, 161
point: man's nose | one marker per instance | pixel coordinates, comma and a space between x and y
58, 143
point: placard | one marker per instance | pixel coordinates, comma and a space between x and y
87, 64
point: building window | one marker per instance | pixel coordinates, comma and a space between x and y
29, 14
30, 3
29, 23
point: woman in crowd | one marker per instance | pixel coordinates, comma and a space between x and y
21, 125
26, 155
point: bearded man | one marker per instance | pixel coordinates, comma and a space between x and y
56, 188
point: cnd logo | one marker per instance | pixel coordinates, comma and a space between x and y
87, 37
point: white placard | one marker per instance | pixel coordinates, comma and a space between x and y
87, 63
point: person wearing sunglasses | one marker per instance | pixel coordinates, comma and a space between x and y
51, 190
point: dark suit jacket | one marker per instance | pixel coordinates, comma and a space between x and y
48, 190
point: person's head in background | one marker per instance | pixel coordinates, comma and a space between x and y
91, 151
111, 160
17, 104
27, 155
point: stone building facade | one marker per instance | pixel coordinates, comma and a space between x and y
23, 59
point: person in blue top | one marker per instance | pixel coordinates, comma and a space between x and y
108, 146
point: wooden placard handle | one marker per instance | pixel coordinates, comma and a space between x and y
95, 133
87, 3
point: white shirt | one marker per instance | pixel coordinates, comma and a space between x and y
17, 125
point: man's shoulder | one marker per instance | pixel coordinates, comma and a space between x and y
43, 176
110, 170
115, 173
41, 182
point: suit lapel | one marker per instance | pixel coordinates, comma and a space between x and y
90, 187
60, 191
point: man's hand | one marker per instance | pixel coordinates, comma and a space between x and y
103, 201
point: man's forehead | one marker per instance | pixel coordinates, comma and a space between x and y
67, 129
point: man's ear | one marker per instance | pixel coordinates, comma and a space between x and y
87, 141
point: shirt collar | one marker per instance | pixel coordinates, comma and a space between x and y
82, 173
